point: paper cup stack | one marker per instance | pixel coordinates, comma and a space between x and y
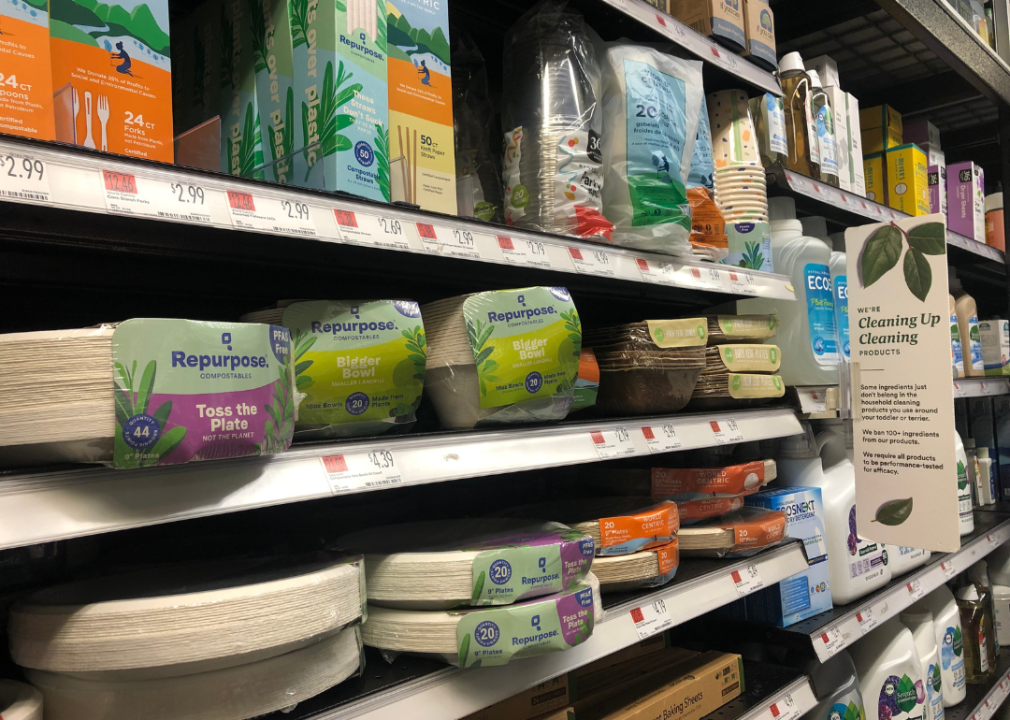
740, 186
228, 641
19, 701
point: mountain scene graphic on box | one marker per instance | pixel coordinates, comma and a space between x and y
112, 27
425, 50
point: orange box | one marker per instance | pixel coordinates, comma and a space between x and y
26, 97
111, 65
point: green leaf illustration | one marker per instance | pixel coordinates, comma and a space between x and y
894, 512
478, 589
906, 694
880, 254
304, 346
918, 275
298, 11
464, 649
259, 27
484, 336
929, 239
162, 413
381, 142
958, 643
146, 387
483, 355
165, 445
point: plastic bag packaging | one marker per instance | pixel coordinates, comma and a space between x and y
702, 162
708, 229
651, 112
552, 124
739, 534
478, 168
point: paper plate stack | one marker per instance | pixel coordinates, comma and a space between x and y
735, 390
56, 400
163, 642
738, 534
646, 568
19, 701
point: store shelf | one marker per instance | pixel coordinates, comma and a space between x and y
54, 505
842, 626
767, 686
982, 701
981, 387
421, 690
698, 44
78, 180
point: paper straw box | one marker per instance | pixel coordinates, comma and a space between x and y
117, 59
966, 200
421, 140
241, 139
26, 106
908, 180
341, 95
876, 182
721, 20
759, 24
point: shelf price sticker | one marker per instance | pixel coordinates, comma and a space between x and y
361, 471
532, 253
457, 242
614, 443
708, 278
747, 580
651, 619
726, 60
726, 431
992, 540
949, 571
660, 273
867, 620
832, 641
785, 709
592, 262
742, 283
288, 216
180, 200
373, 230
915, 589
23, 177
662, 438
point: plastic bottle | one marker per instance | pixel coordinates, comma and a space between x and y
949, 641
964, 509
836, 686
770, 125
890, 678
956, 354
978, 664
824, 119
974, 472
978, 574
986, 475
806, 333
967, 326
855, 566
801, 133
840, 283
920, 624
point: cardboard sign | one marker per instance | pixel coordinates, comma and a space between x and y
903, 404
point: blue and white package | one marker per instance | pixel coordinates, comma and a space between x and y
807, 593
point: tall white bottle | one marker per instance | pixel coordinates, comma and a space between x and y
890, 676
836, 686
966, 519
949, 642
806, 335
920, 624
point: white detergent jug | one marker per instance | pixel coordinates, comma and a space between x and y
920, 624
890, 678
856, 567
806, 334
949, 642
836, 686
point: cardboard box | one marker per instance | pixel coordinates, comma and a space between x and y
241, 139
420, 105
934, 155
877, 140
995, 336
759, 25
838, 101
921, 132
876, 180
881, 129
722, 21
275, 91
121, 70
827, 70
937, 189
856, 175
347, 131
544, 698
603, 683
908, 180
26, 106
807, 593
698, 688
966, 200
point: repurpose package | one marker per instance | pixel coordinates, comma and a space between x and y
739, 534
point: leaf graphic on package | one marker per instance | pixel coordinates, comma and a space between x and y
958, 643
918, 274
162, 413
929, 238
478, 589
907, 694
880, 254
146, 388
894, 512
464, 649
164, 447
962, 476
852, 711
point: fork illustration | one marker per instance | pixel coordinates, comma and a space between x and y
89, 141
77, 110
103, 118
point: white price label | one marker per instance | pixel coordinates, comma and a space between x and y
785, 709
374, 230
660, 273
126, 194
592, 262
1004, 684
703, 278
948, 568
516, 251
832, 641
651, 619
747, 580
726, 431
725, 59
741, 283
289, 216
23, 177
440, 240
992, 540
361, 470
915, 590
612, 443
867, 620
813, 401
661, 438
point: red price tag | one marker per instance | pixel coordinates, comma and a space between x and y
120, 182
241, 201
345, 218
577, 254
505, 243
426, 231
334, 463
637, 616
661, 20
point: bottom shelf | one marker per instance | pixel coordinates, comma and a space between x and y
982, 701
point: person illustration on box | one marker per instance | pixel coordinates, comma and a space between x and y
425, 74
123, 67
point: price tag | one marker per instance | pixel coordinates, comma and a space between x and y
125, 194
742, 283
726, 60
785, 709
661, 273
708, 278
813, 401
288, 216
23, 177
726, 431
660, 20
651, 619
747, 580
439, 240
867, 620
361, 470
915, 590
992, 540
592, 262
948, 568
524, 252
662, 438
832, 641
613, 443
373, 230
